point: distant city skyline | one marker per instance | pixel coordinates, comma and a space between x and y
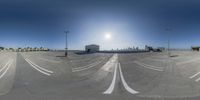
131, 23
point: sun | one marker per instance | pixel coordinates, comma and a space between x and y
108, 36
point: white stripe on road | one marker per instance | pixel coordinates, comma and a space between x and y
40, 67
124, 82
197, 80
4, 66
149, 66
8, 66
43, 72
85, 67
188, 61
112, 85
195, 75
53, 61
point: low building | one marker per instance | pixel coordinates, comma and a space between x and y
11, 49
148, 48
1, 48
92, 48
46, 49
197, 48
161, 48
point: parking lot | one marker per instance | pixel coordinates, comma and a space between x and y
138, 76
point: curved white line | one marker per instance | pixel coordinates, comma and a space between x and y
38, 68
112, 85
10, 63
124, 82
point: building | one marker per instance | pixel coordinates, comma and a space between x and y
46, 49
148, 48
197, 48
161, 48
1, 48
92, 48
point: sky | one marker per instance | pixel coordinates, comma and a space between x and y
37, 23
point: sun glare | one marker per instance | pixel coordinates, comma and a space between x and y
108, 36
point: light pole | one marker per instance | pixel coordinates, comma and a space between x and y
168, 41
66, 49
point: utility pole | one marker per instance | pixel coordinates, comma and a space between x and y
66, 48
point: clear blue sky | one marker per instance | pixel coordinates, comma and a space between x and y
131, 23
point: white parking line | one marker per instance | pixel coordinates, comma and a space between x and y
111, 63
53, 61
114, 60
197, 80
112, 85
188, 61
85, 67
149, 66
92, 64
38, 68
8, 66
4, 66
130, 90
194, 75
156, 59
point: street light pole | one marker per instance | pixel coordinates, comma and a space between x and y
66, 49
168, 46
168, 41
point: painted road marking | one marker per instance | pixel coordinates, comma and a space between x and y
188, 61
4, 66
156, 59
86, 67
100, 60
193, 76
112, 85
197, 80
92, 64
149, 66
40, 69
130, 90
114, 61
53, 61
8, 66
87, 59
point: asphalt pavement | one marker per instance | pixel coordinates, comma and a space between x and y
99, 76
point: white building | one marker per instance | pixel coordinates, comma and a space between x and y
92, 48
